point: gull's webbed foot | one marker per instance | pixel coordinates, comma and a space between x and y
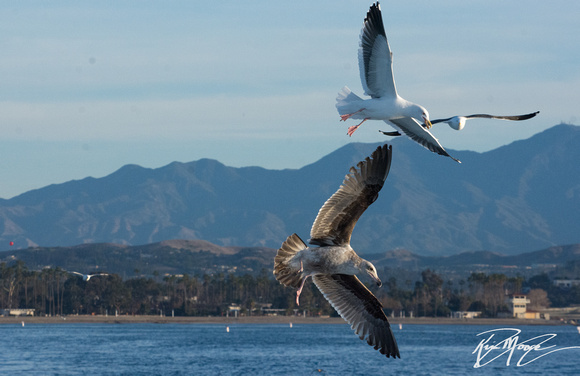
352, 129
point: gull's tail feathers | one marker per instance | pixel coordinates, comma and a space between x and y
347, 102
286, 267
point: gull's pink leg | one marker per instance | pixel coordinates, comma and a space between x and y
355, 127
348, 116
300, 291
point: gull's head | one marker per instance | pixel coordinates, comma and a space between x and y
457, 122
426, 120
421, 114
370, 269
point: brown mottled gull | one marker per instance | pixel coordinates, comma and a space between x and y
333, 264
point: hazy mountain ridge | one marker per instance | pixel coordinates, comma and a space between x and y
521, 196
198, 257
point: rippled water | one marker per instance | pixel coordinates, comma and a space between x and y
196, 349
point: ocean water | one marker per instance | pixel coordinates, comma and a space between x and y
261, 349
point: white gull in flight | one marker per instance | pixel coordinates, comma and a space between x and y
458, 122
333, 264
87, 277
376, 72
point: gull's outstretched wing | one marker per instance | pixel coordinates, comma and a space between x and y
418, 133
375, 58
504, 117
338, 216
360, 308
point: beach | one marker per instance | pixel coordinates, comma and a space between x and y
142, 319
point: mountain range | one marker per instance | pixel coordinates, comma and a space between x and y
519, 197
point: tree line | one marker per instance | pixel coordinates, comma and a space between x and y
54, 291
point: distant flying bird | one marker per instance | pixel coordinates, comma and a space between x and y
87, 277
376, 72
333, 264
458, 122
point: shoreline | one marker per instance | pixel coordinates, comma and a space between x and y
395, 321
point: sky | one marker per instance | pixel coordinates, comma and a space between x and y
89, 86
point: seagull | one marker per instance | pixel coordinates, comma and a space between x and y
333, 265
458, 122
376, 72
87, 277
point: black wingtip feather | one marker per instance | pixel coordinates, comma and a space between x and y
374, 19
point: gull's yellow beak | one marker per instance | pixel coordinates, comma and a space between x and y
375, 278
428, 123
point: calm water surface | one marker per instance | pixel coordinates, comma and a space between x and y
194, 349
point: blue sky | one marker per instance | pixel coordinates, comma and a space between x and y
87, 87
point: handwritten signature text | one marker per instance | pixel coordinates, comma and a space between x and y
506, 342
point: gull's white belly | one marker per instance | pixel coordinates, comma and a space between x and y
379, 109
327, 260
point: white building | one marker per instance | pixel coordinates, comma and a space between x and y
518, 305
465, 314
566, 283
17, 312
